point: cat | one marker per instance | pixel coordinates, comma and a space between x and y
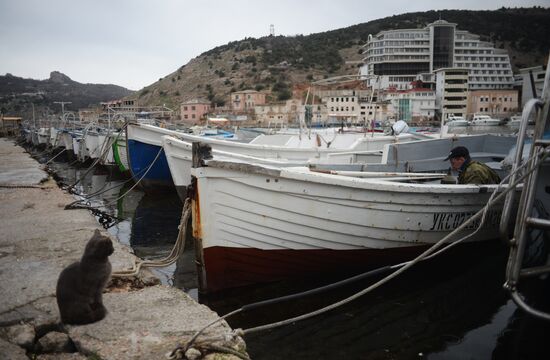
80, 285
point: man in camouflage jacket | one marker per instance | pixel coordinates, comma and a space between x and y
470, 171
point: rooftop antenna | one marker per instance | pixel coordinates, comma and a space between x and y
272, 30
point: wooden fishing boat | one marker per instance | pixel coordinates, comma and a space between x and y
256, 222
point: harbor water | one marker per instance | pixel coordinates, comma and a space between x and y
451, 307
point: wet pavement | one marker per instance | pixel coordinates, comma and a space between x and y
39, 238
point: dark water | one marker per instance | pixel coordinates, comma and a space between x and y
451, 307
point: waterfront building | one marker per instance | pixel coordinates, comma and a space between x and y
397, 56
496, 103
381, 112
290, 112
246, 100
451, 92
194, 110
415, 105
343, 108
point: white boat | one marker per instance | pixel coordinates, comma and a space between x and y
484, 120
255, 223
515, 121
455, 121
44, 136
66, 140
55, 137
286, 148
423, 156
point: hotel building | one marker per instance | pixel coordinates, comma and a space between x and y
398, 56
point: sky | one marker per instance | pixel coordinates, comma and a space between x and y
133, 43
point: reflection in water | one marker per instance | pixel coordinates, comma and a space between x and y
449, 308
421, 311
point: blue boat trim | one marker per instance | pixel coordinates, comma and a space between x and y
141, 156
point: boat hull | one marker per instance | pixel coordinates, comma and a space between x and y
120, 155
235, 267
153, 177
143, 143
278, 214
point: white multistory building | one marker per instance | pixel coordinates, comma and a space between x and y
396, 57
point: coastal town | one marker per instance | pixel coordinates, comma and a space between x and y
356, 215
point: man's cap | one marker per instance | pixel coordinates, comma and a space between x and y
459, 151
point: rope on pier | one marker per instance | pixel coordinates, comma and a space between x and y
177, 250
141, 178
433, 251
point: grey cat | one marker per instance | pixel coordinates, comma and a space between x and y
80, 285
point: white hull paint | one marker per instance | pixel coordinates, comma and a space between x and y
246, 212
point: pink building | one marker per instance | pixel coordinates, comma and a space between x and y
194, 111
493, 102
246, 100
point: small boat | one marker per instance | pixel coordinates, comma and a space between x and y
455, 121
120, 154
257, 223
484, 120
44, 136
515, 121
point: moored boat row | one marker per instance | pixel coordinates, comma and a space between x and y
277, 205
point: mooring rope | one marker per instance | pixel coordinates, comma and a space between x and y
61, 152
141, 178
176, 252
399, 268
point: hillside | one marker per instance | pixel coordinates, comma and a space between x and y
279, 63
18, 94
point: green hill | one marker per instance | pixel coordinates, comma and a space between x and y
278, 63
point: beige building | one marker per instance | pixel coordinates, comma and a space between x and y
497, 103
246, 100
291, 112
343, 108
278, 114
194, 111
451, 96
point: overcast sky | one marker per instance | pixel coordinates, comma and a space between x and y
133, 43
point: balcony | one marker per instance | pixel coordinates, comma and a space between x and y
457, 86
455, 102
456, 76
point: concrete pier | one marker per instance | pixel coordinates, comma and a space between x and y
38, 238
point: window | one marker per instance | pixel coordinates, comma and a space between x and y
185, 116
185, 108
192, 116
193, 107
